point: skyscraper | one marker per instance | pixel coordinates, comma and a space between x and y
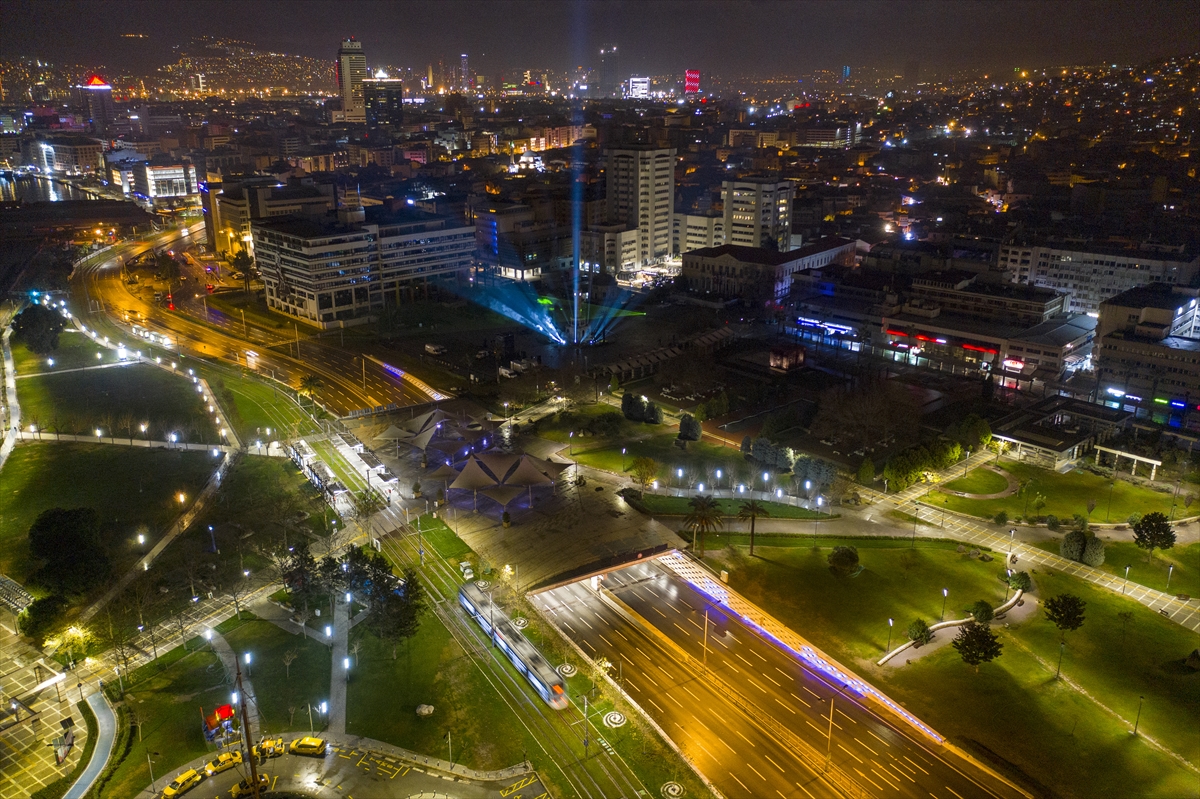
465, 78
641, 194
351, 71
610, 81
383, 98
94, 97
758, 212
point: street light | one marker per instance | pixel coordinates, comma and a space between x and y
572, 442
1170, 571
1126, 585
249, 669
141, 540
815, 522
888, 648
945, 595
622, 459
1012, 537
346, 666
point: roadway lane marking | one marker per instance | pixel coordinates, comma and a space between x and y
618, 632
677, 627
801, 787
786, 707
898, 771
605, 640
739, 657
756, 771
639, 649
630, 684
660, 710
864, 746
805, 687
776, 765
689, 693
784, 673
801, 701
852, 721
868, 779
772, 679
876, 737
815, 727
719, 641
756, 685
673, 699
739, 782
694, 624
747, 740
584, 641
660, 613
760, 657
651, 679
910, 760
847, 751
699, 744
903, 769
956, 793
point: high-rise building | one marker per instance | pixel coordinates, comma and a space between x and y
383, 99
351, 72
464, 76
610, 81
691, 81
758, 212
639, 87
94, 97
845, 73
641, 193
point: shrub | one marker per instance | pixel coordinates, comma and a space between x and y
1079, 522
1020, 581
1001, 518
866, 471
919, 632
982, 611
843, 561
1072, 544
1093, 552
689, 428
39, 617
1053, 523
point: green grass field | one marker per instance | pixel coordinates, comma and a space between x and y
1185, 577
678, 506
1066, 741
979, 481
283, 692
439, 535
75, 350
699, 462
255, 405
169, 703
126, 486
117, 401
1066, 495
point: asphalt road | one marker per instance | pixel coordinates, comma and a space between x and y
224, 337
737, 752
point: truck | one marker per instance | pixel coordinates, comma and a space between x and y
435, 349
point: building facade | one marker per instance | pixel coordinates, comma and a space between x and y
641, 193
754, 274
383, 101
94, 97
351, 72
758, 212
696, 231
165, 180
1092, 274
230, 208
1149, 349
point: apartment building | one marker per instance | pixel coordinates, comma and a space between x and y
641, 194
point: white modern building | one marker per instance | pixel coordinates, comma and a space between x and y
641, 193
349, 263
639, 88
758, 212
1090, 274
696, 231
163, 178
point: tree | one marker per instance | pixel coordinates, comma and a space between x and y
981, 611
366, 505
1093, 552
1065, 611
976, 644
243, 263
1153, 531
1020, 581
395, 616
167, 268
633, 406
1001, 517
843, 561
919, 632
704, 518
299, 574
68, 542
289, 657
689, 428
644, 469
654, 414
310, 384
751, 509
866, 471
333, 578
1072, 544
37, 327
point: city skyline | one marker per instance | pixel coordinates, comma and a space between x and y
713, 36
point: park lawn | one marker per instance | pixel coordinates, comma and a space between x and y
75, 351
234, 303
1066, 495
431, 668
678, 506
81, 402
699, 462
978, 481
169, 703
274, 689
848, 619
558, 427
127, 487
1185, 579
442, 538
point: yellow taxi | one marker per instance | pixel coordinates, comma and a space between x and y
183, 783
269, 747
243, 788
223, 761
308, 746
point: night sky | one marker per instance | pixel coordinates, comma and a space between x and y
737, 37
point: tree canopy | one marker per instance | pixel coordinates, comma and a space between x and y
689, 428
1153, 531
645, 470
976, 644
1065, 611
704, 518
37, 327
70, 545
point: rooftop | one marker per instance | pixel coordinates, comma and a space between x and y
1059, 331
1160, 295
758, 255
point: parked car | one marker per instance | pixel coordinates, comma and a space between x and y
243, 788
308, 746
269, 747
183, 783
223, 762
435, 349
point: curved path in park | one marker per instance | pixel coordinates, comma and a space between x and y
1012, 488
106, 725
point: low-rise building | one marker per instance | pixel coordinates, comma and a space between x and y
229, 208
754, 274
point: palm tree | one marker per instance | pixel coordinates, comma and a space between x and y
310, 384
751, 509
242, 261
704, 518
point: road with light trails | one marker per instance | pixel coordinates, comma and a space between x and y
99, 282
883, 756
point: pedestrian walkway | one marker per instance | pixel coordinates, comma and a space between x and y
12, 417
122, 441
106, 725
338, 673
229, 659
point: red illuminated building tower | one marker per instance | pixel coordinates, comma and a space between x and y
94, 97
691, 81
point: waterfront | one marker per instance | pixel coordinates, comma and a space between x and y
40, 189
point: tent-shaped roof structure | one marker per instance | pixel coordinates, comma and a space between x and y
502, 476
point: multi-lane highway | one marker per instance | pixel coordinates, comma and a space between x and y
347, 385
754, 718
